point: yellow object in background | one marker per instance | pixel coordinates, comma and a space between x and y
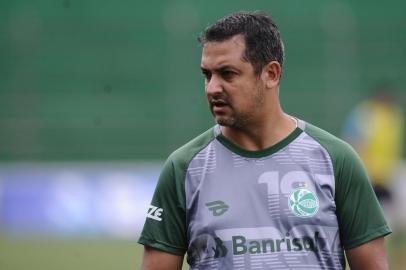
375, 129
381, 148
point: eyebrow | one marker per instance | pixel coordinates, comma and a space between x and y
221, 68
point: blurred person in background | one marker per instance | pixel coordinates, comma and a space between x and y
375, 128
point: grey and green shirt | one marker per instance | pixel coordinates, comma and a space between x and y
297, 204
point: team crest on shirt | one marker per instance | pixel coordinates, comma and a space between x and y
303, 203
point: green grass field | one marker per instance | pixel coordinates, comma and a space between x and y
72, 254
23, 254
19, 254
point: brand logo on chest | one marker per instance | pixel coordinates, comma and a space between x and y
217, 207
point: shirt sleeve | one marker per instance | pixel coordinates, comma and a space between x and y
165, 225
359, 214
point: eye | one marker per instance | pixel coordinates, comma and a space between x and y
206, 74
227, 74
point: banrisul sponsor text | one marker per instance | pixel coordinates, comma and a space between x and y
242, 245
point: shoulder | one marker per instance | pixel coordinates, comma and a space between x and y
338, 149
170, 187
182, 156
345, 161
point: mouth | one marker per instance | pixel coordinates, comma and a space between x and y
218, 103
218, 106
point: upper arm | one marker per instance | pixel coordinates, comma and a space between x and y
154, 259
361, 220
165, 225
358, 211
371, 256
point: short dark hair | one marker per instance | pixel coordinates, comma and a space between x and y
261, 34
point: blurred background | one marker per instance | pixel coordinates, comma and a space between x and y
94, 95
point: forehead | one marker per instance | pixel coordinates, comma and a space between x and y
228, 52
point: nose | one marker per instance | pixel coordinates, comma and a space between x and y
213, 86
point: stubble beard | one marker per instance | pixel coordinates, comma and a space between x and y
240, 119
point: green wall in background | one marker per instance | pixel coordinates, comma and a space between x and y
103, 80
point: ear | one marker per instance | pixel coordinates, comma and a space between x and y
271, 74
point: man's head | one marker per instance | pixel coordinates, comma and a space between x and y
263, 43
241, 61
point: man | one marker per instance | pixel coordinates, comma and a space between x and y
261, 189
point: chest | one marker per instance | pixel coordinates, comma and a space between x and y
281, 205
260, 195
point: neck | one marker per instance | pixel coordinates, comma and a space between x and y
263, 133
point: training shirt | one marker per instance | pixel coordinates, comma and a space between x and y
296, 204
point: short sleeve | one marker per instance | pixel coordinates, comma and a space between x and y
359, 214
360, 217
165, 225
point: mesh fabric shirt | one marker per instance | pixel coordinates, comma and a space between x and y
297, 204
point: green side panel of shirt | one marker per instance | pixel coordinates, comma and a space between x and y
169, 234
359, 214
